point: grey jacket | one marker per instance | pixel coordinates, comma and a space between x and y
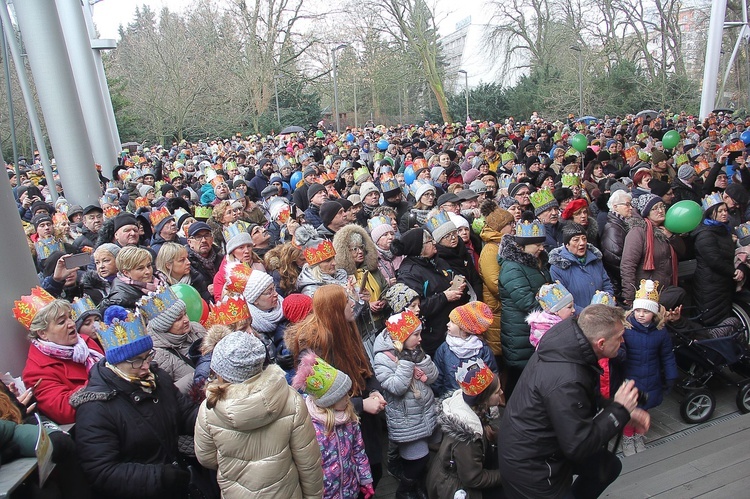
411, 412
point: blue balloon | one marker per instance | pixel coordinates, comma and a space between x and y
350, 137
382, 144
409, 175
284, 185
745, 137
294, 180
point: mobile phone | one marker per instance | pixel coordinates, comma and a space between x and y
77, 260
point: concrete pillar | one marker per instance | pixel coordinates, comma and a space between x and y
18, 276
87, 83
713, 56
53, 76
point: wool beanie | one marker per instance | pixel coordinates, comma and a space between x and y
124, 219
435, 172
514, 187
572, 230
458, 220
296, 307
498, 219
366, 188
313, 190
238, 240
161, 323
658, 188
553, 297
686, 172
256, 284
39, 219
323, 382
238, 357
422, 189
474, 317
399, 297
644, 203
657, 157
378, 230
410, 243
328, 211
145, 189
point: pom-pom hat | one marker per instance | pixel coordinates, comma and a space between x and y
647, 296
474, 317
323, 382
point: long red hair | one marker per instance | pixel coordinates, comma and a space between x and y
336, 340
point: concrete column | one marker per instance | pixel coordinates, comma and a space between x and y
713, 56
86, 78
18, 276
53, 76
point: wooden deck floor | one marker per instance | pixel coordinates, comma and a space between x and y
711, 463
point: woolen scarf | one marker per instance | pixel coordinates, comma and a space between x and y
79, 353
265, 321
648, 257
145, 287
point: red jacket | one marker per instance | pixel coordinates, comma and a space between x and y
60, 378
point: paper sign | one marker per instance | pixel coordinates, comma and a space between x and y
8, 378
43, 453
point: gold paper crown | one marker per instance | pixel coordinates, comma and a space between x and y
401, 326
229, 310
319, 253
218, 179
59, 218
648, 290
237, 274
111, 212
157, 216
141, 202
28, 306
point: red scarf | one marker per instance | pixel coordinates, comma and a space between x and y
648, 258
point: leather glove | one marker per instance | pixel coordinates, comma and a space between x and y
284, 358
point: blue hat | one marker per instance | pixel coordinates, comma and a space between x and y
530, 232
45, 247
439, 225
126, 336
197, 227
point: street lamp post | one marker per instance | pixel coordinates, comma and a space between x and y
580, 79
466, 76
335, 86
276, 93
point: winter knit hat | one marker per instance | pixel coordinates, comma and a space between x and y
422, 189
124, 219
145, 189
686, 172
313, 190
458, 220
657, 157
82, 308
553, 297
366, 188
573, 207
439, 225
543, 200
296, 307
161, 309
410, 243
400, 296
125, 336
644, 203
328, 211
572, 230
236, 235
435, 172
401, 326
474, 317
379, 226
323, 382
257, 282
238, 357
498, 219
647, 296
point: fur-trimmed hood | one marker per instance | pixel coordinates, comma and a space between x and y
341, 242
214, 334
511, 251
83, 396
561, 257
456, 419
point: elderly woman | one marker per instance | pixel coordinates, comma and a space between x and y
222, 216
577, 211
358, 256
331, 332
266, 311
651, 250
523, 271
383, 234
173, 266
613, 237
496, 224
59, 359
452, 250
135, 277
439, 288
425, 197
320, 264
97, 283
239, 244
129, 418
578, 266
716, 273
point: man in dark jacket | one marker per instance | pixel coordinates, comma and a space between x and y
551, 429
93, 218
205, 257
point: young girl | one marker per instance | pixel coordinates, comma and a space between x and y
649, 356
405, 373
463, 342
346, 470
557, 305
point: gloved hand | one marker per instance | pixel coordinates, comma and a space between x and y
418, 354
175, 479
405, 355
367, 490
284, 358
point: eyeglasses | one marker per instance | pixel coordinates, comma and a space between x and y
452, 235
270, 291
202, 238
659, 207
356, 249
523, 194
138, 363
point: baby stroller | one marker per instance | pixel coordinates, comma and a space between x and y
705, 359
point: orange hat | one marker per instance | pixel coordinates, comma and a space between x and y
474, 317
401, 326
317, 251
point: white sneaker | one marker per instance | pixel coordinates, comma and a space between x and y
628, 446
640, 444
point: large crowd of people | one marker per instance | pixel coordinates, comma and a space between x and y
273, 316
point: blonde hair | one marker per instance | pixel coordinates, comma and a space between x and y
46, 315
658, 317
129, 257
220, 210
166, 256
330, 414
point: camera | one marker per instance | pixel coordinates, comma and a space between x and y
642, 396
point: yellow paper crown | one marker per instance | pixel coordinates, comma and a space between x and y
111, 212
25, 309
648, 290
157, 216
141, 202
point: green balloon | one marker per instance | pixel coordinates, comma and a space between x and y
683, 217
579, 142
192, 299
670, 139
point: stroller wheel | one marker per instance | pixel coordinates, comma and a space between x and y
697, 406
743, 398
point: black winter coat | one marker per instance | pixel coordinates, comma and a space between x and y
125, 436
551, 420
122, 294
196, 263
429, 278
613, 242
460, 261
683, 191
714, 252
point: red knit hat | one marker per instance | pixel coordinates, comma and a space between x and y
573, 207
474, 317
296, 307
